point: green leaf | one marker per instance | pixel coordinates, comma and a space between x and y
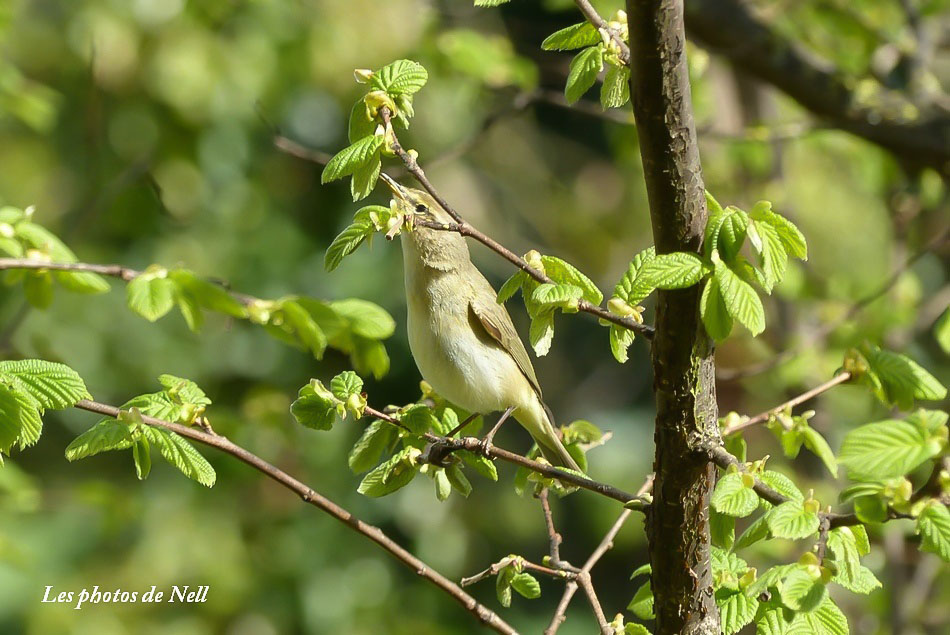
402, 77
933, 525
557, 295
843, 545
419, 419
346, 243
155, 404
365, 177
526, 585
38, 289
732, 497
82, 282
791, 520
443, 488
585, 67
564, 272
206, 294
304, 328
503, 585
632, 287
772, 622
376, 438
771, 251
864, 581
479, 463
23, 419
151, 295
541, 332
817, 444
942, 331
771, 579
803, 592
181, 454
142, 458
723, 529
886, 449
573, 37
106, 435
758, 530
676, 270
53, 385
904, 380
870, 509
631, 628
791, 237
621, 339
315, 407
360, 123
827, 619
369, 357
350, 158
642, 603
459, 481
365, 318
393, 474
345, 384
183, 390
740, 299
511, 286
781, 484
713, 310
13, 416
732, 233
736, 609
616, 89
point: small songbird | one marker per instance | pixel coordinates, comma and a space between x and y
462, 339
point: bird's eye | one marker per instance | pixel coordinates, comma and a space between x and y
421, 209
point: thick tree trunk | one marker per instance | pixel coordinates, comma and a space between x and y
684, 380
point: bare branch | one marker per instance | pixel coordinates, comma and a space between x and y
763, 417
309, 495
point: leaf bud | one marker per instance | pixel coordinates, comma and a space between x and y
362, 75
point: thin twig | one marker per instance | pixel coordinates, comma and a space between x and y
583, 579
601, 24
526, 565
560, 614
309, 495
763, 417
445, 445
554, 538
463, 228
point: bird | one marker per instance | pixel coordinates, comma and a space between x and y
462, 339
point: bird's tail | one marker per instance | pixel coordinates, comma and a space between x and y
538, 421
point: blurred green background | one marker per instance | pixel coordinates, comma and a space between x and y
143, 132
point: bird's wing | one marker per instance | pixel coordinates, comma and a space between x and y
496, 322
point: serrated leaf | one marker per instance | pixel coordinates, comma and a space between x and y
791, 520
758, 530
632, 288
459, 481
313, 408
712, 309
631, 628
573, 37
365, 318
732, 233
791, 237
615, 91
181, 454
886, 449
350, 158
585, 67
557, 295
386, 478
676, 270
151, 296
771, 251
870, 509
106, 435
771, 579
933, 525
740, 299
722, 529
365, 177
511, 286
360, 124
781, 484
736, 609
621, 338
827, 619
772, 622
903, 379
53, 385
732, 497
843, 545
346, 243
564, 272
402, 77
142, 458
479, 463
369, 357
345, 384
367, 450
642, 603
526, 585
419, 419
503, 586
305, 330
802, 592
863, 581
207, 294
541, 332
183, 391
817, 444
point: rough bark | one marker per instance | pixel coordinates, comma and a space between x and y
682, 354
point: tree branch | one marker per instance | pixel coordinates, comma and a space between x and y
728, 27
599, 23
463, 228
763, 417
309, 495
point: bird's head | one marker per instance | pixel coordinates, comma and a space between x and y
437, 248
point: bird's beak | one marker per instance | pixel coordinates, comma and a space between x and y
398, 190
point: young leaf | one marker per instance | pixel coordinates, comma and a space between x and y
419, 419
346, 243
377, 437
481, 464
206, 294
781, 484
563, 296
106, 435
345, 384
817, 444
632, 287
791, 520
713, 310
736, 609
564, 272
459, 481
53, 385
620, 340
732, 233
616, 89
511, 286
350, 158
365, 318
151, 295
771, 250
142, 457
82, 282
541, 332
443, 488
402, 77
181, 454
933, 525
365, 177
642, 603
732, 497
503, 586
827, 619
304, 327
791, 237
722, 529
942, 331
315, 407
526, 585
573, 37
886, 449
758, 530
585, 67
676, 270
389, 476
802, 592
740, 299
183, 391
903, 379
